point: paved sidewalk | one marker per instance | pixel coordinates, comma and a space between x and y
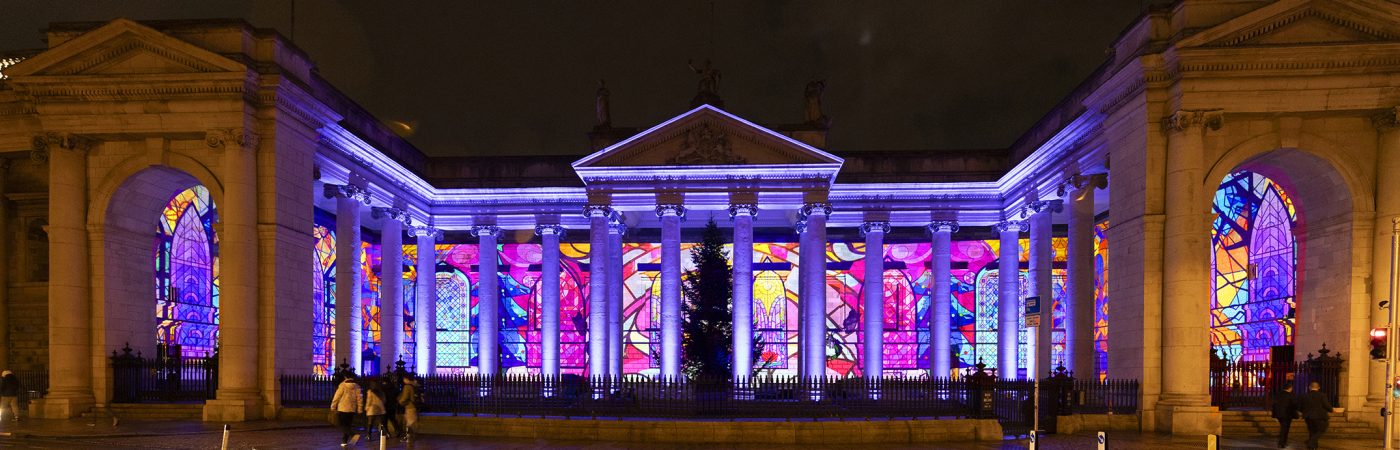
270, 435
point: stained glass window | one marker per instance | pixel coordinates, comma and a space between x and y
1101, 299
409, 349
323, 295
187, 274
1254, 258
369, 313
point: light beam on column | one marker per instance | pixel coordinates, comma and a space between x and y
348, 330
812, 289
597, 289
873, 304
425, 308
549, 303
940, 306
1008, 298
742, 310
1041, 261
670, 216
488, 305
391, 283
616, 230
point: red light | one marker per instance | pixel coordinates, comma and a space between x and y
1378, 333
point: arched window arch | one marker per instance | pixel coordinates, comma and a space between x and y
1254, 250
187, 274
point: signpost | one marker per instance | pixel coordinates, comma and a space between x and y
1033, 322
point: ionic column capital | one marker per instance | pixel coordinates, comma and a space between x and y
874, 226
617, 226
738, 209
1043, 206
800, 226
1186, 119
425, 231
1387, 119
670, 209
486, 230
553, 229
391, 213
1014, 226
219, 138
43, 143
349, 191
822, 208
943, 226
1078, 182
597, 211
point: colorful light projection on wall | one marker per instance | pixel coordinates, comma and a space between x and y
775, 306
323, 295
187, 274
1101, 299
1254, 261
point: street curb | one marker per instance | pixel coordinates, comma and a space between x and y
147, 434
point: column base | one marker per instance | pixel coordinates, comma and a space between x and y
62, 407
233, 409
1191, 419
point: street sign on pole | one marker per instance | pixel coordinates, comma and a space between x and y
1032, 320
1032, 305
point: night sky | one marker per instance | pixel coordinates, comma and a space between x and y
490, 78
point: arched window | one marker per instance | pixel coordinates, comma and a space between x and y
1254, 261
187, 274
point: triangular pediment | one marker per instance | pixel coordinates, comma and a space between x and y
1304, 22
707, 136
123, 47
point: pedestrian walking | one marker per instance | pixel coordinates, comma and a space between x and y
346, 404
392, 382
1285, 410
9, 395
1316, 411
408, 403
374, 407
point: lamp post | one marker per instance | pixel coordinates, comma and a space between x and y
1390, 344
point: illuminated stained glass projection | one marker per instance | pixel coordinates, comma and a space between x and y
905, 296
409, 348
323, 295
187, 274
369, 307
1254, 261
1101, 299
520, 340
981, 277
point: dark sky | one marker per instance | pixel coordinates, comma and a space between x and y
518, 77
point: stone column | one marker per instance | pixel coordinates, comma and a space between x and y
1079, 285
391, 284
597, 289
348, 276
1042, 262
616, 230
237, 397
549, 303
488, 306
1008, 298
1184, 407
941, 306
5, 238
1387, 208
70, 331
425, 307
873, 303
741, 312
812, 289
670, 216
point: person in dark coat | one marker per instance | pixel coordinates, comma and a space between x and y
1285, 410
9, 395
1316, 410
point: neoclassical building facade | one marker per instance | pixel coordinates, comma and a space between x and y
195, 185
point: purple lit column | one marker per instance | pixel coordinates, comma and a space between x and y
425, 306
670, 289
1008, 298
1041, 261
488, 305
811, 293
742, 310
1079, 285
873, 306
549, 301
348, 199
391, 284
597, 289
615, 232
940, 307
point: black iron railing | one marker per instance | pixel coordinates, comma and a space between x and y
1254, 384
977, 396
165, 379
33, 384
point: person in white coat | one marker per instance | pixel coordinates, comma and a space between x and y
346, 404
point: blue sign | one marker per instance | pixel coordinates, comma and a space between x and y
1032, 305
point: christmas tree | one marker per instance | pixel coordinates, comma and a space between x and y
707, 326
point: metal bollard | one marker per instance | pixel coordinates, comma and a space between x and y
1212, 442
225, 446
1103, 441
383, 437
1034, 444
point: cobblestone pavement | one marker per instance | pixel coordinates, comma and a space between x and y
285, 436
